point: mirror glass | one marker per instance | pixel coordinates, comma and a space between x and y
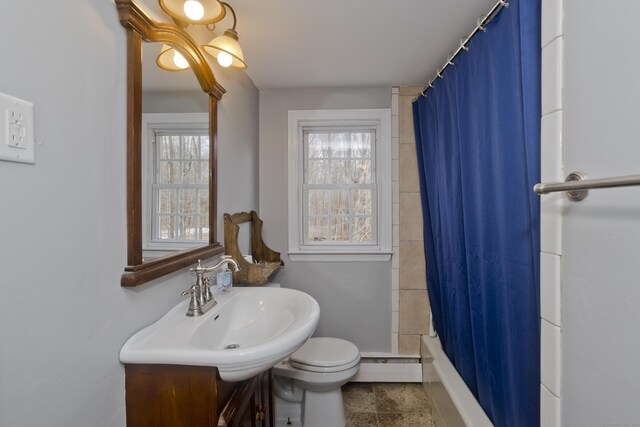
175, 157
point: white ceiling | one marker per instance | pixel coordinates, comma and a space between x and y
335, 43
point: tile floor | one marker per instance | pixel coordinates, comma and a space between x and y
386, 405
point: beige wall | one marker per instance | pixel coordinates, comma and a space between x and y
413, 303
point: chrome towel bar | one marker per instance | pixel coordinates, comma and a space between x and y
577, 184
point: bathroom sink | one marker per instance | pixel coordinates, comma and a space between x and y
247, 332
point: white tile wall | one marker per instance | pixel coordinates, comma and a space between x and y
549, 409
551, 223
396, 213
550, 357
551, 147
394, 125
551, 20
395, 170
551, 209
552, 76
395, 104
395, 197
396, 235
395, 148
550, 268
395, 316
395, 258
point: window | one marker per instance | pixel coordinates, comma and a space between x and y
176, 182
339, 185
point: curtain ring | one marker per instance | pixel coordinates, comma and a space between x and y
449, 62
430, 85
503, 3
462, 45
479, 22
439, 75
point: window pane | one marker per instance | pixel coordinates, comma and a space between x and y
339, 165
361, 202
318, 229
203, 201
169, 147
362, 229
340, 229
339, 144
340, 202
318, 202
167, 201
167, 227
191, 147
361, 171
190, 171
203, 232
317, 145
339, 173
170, 172
204, 147
204, 173
361, 144
187, 201
187, 228
317, 173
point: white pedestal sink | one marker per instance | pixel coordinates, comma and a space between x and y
247, 332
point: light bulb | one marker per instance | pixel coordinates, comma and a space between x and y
179, 60
224, 59
194, 10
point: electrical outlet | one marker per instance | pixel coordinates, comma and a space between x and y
17, 131
17, 142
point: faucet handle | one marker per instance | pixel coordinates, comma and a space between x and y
195, 308
192, 290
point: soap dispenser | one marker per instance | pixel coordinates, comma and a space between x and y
224, 278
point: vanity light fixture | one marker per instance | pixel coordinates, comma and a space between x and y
171, 60
225, 48
194, 11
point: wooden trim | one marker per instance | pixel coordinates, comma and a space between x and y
134, 148
213, 170
140, 27
139, 274
133, 17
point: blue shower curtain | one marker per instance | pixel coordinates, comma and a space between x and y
478, 146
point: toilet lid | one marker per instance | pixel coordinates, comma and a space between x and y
326, 355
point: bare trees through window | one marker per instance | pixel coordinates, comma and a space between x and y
180, 187
339, 185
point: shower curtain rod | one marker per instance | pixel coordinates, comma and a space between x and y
481, 23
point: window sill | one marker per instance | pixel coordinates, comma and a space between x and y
325, 256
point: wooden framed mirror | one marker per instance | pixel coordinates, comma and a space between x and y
140, 27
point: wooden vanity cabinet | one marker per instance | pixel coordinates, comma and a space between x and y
195, 396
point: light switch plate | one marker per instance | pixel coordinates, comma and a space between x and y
17, 141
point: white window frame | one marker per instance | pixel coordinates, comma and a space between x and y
299, 250
151, 122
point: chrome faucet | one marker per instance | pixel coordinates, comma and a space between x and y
201, 297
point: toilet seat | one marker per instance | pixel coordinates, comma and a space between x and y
326, 355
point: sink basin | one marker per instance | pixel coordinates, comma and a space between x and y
247, 332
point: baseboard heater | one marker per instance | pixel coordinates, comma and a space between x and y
389, 367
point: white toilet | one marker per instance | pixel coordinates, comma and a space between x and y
307, 384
